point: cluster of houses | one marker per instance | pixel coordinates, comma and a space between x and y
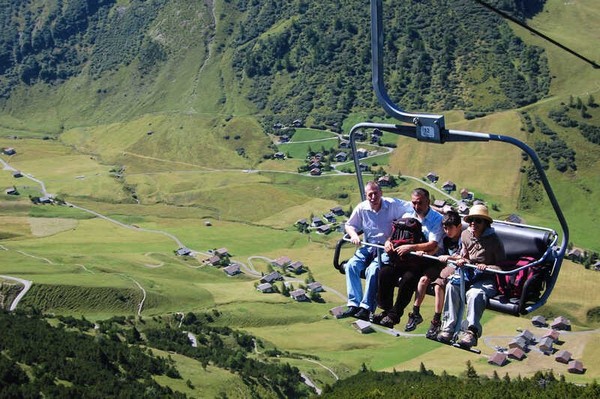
324, 224
315, 163
46, 199
449, 186
219, 257
520, 345
300, 295
526, 341
284, 263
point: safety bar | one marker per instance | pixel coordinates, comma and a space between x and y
453, 263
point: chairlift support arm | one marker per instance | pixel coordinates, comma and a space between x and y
431, 128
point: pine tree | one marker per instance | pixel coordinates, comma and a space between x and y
470, 372
591, 101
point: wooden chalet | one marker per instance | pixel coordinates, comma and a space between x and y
314, 287
337, 311
563, 357
554, 335
561, 323
498, 359
546, 346
299, 295
213, 260
539, 321
232, 270
516, 353
527, 336
265, 288
281, 262
271, 277
575, 366
295, 267
362, 326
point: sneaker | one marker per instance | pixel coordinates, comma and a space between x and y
434, 329
376, 318
445, 337
414, 319
388, 321
351, 311
363, 314
468, 339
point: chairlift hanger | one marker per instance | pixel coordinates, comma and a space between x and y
430, 128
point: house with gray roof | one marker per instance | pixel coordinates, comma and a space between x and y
265, 288
575, 366
232, 270
299, 295
518, 342
563, 357
539, 321
362, 326
295, 267
498, 359
561, 323
271, 277
314, 287
527, 336
281, 262
546, 346
516, 353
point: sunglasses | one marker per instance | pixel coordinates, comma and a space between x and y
476, 220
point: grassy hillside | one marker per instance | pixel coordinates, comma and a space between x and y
174, 153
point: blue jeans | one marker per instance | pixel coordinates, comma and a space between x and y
365, 258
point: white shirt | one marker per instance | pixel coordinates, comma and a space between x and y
377, 226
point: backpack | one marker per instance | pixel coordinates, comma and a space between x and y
406, 231
512, 285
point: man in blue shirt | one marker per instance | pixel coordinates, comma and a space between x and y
374, 218
408, 268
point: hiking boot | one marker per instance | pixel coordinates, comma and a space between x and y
363, 314
468, 339
434, 329
414, 319
445, 337
351, 311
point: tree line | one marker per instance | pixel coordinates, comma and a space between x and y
112, 358
425, 384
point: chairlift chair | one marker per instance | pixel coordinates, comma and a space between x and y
519, 239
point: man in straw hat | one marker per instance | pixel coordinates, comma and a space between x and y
480, 246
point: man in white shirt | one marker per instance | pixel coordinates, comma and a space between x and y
374, 218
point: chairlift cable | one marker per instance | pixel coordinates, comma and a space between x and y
537, 32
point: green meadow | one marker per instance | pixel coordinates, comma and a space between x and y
84, 265
163, 178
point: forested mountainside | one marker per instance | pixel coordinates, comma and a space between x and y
110, 358
106, 60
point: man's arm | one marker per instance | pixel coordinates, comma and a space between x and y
429, 247
351, 231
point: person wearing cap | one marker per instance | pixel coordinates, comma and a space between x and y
480, 246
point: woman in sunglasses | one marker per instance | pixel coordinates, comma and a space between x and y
480, 246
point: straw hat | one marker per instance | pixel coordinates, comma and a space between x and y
478, 211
